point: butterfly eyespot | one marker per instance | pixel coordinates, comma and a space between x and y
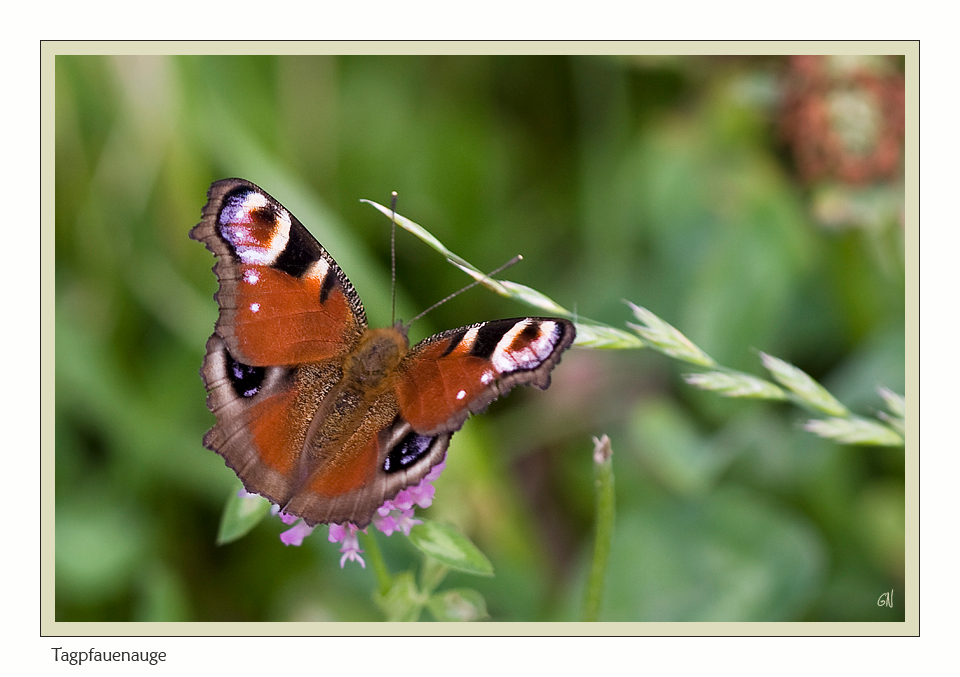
407, 452
246, 380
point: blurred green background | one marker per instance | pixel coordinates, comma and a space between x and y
756, 203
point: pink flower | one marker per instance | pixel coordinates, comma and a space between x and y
346, 534
422, 494
435, 471
402, 501
385, 524
395, 520
396, 514
295, 534
337, 532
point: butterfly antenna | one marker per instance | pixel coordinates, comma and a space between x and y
393, 257
473, 284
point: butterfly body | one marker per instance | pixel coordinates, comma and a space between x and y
319, 413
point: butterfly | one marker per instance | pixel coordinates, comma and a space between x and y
319, 413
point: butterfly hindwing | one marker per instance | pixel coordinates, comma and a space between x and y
381, 463
262, 419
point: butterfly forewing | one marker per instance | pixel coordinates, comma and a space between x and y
283, 299
446, 377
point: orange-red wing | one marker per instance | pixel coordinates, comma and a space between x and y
283, 299
445, 377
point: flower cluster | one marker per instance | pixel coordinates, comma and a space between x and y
396, 514
844, 118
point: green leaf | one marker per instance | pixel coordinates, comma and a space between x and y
895, 403
854, 430
432, 573
446, 544
240, 515
898, 424
402, 601
736, 384
664, 337
806, 390
725, 556
898, 408
461, 604
674, 451
594, 335
97, 545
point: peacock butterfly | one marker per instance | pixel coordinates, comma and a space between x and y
319, 413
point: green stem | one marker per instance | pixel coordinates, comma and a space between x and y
603, 471
379, 566
432, 574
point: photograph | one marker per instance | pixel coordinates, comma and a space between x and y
521, 338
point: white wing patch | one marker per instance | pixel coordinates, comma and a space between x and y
508, 358
318, 270
235, 226
470, 337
